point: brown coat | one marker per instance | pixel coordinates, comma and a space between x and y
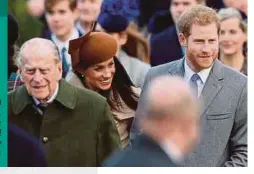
77, 128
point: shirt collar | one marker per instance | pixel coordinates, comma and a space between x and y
60, 44
203, 74
80, 27
66, 96
37, 102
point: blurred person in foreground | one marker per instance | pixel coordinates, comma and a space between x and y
170, 129
233, 38
75, 125
24, 150
97, 68
222, 90
115, 21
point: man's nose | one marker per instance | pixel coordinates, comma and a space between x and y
38, 76
206, 48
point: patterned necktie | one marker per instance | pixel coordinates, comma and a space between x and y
42, 107
194, 84
65, 65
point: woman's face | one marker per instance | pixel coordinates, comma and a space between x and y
232, 36
100, 76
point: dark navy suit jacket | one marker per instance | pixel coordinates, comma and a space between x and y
144, 153
165, 46
23, 149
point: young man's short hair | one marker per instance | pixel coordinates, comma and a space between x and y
50, 3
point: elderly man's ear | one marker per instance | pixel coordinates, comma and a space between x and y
60, 70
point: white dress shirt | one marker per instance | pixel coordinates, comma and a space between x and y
60, 44
37, 102
80, 27
202, 74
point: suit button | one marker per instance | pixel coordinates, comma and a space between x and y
45, 139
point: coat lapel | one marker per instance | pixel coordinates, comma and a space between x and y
177, 68
212, 86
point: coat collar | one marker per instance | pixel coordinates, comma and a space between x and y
66, 96
177, 68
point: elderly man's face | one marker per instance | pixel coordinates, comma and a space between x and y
40, 74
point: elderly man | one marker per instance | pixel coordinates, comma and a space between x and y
75, 125
171, 127
31, 154
222, 89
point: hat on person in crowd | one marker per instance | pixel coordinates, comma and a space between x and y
92, 48
116, 15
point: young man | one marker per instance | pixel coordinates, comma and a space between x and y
224, 141
75, 126
89, 11
165, 46
60, 17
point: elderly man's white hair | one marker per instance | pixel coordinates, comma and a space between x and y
37, 47
170, 96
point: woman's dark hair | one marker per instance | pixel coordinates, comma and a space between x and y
120, 88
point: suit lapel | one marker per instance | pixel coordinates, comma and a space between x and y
212, 86
178, 68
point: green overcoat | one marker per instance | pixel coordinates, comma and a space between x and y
76, 129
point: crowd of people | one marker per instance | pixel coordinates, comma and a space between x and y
130, 83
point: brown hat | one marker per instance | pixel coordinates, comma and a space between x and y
92, 48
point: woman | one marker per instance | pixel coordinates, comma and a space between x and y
96, 68
233, 37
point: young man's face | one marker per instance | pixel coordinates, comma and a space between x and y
61, 19
202, 46
177, 7
89, 10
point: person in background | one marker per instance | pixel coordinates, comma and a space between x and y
115, 21
233, 38
170, 129
89, 11
35, 7
224, 123
97, 68
60, 17
13, 35
75, 126
241, 5
165, 46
